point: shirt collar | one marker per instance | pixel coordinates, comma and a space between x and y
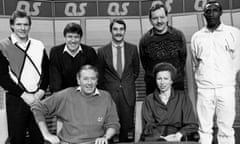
219, 28
96, 93
115, 45
15, 39
70, 53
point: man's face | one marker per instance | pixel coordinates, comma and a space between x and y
118, 32
72, 41
212, 15
159, 20
87, 81
21, 28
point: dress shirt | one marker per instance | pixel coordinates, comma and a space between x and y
96, 92
70, 53
16, 40
114, 53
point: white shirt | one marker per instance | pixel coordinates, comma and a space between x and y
215, 56
70, 53
16, 40
114, 53
95, 93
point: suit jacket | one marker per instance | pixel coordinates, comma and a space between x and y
63, 67
109, 78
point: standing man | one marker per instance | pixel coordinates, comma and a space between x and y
119, 68
66, 59
162, 43
214, 51
24, 75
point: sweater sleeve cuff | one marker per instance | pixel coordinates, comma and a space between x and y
39, 116
116, 126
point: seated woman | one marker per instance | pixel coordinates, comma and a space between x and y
167, 113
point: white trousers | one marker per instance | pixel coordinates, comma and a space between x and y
219, 101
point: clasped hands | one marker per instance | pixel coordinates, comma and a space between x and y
30, 98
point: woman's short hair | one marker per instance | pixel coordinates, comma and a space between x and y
165, 67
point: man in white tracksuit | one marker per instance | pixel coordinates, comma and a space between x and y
215, 51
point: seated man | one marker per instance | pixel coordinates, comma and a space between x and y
89, 115
167, 113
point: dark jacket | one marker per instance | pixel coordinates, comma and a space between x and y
109, 78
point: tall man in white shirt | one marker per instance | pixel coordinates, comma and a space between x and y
215, 50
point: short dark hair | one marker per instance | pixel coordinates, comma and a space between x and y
156, 7
73, 28
119, 21
19, 14
87, 67
165, 67
213, 2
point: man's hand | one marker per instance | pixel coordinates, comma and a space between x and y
101, 140
173, 137
53, 139
39, 94
28, 98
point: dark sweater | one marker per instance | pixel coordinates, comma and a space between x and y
63, 67
168, 47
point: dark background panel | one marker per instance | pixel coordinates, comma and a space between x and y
73, 9
197, 5
119, 8
35, 8
235, 4
1, 7
174, 7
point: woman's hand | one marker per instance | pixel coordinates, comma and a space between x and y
173, 137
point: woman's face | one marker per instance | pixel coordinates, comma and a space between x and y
164, 81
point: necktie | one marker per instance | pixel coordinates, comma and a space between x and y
119, 61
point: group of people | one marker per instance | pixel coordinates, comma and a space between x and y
94, 94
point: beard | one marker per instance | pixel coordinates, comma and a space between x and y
213, 23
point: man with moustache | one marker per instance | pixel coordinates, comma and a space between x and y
24, 75
162, 43
215, 53
119, 68
67, 58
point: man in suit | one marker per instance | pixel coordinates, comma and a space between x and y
67, 58
119, 68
